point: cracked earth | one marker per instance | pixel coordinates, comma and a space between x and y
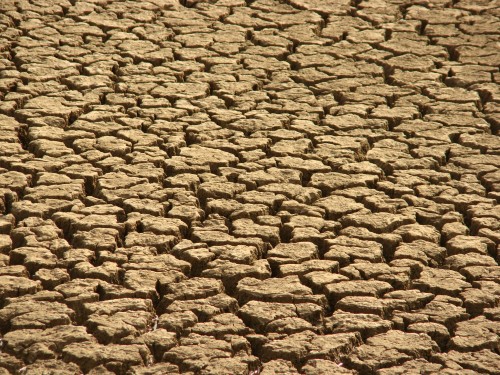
249, 187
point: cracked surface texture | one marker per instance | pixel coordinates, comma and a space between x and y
231, 187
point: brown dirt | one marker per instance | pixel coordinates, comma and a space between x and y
233, 187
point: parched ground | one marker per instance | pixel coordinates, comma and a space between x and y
249, 187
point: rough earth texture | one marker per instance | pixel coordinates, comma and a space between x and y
249, 187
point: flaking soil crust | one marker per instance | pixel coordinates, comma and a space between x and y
259, 187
